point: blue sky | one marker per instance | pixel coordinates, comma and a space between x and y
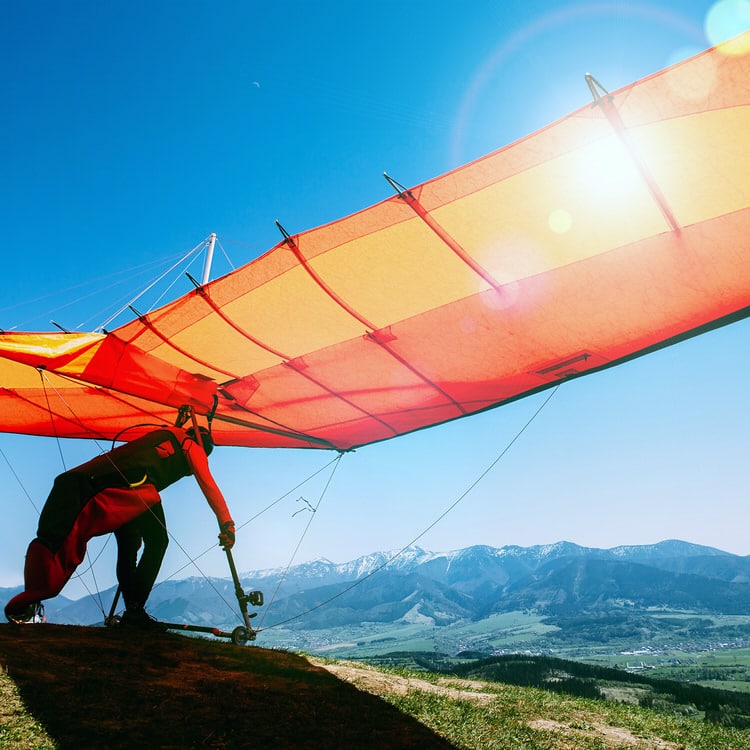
133, 130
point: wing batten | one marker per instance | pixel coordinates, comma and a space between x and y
607, 105
203, 294
321, 283
180, 350
439, 231
384, 339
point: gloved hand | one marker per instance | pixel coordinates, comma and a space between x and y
226, 535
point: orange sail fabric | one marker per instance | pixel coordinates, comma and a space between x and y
619, 229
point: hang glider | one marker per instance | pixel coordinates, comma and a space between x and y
619, 229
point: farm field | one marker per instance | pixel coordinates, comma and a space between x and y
707, 660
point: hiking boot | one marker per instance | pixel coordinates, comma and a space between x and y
139, 619
33, 612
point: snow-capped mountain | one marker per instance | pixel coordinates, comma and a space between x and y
464, 585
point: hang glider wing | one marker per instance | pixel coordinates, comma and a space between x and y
619, 229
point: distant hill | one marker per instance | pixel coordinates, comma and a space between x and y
557, 583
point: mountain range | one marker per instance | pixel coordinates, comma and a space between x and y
463, 586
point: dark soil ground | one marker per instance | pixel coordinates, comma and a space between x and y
111, 688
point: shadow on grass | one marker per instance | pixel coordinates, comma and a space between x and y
106, 688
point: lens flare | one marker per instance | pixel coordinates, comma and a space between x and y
727, 19
560, 221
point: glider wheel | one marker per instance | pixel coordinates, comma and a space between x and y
240, 636
112, 621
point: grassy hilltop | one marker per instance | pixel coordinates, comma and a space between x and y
72, 687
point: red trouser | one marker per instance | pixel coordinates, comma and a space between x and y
46, 572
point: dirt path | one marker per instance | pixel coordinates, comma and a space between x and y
381, 683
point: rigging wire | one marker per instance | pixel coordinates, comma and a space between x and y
115, 284
451, 507
251, 519
174, 281
116, 279
226, 256
119, 277
18, 479
254, 248
192, 561
42, 377
314, 509
79, 576
150, 286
